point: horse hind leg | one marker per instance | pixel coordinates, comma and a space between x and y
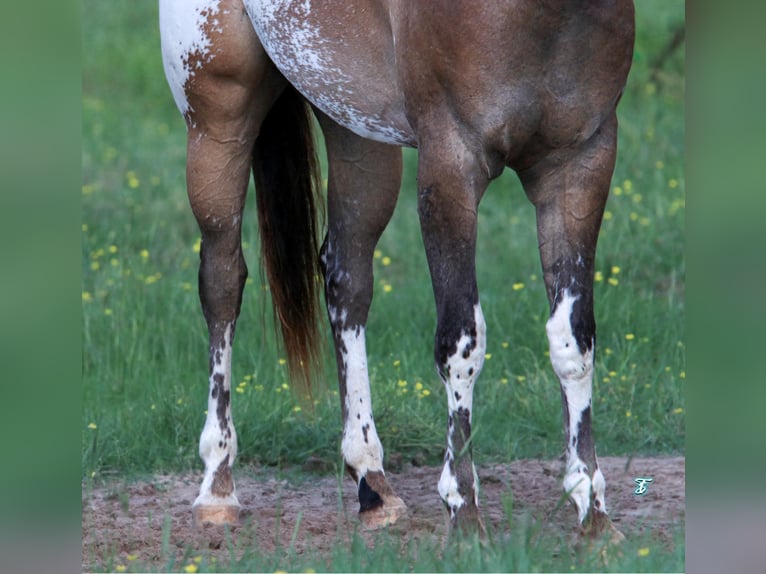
569, 197
223, 102
363, 186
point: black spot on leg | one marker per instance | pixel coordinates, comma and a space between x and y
358, 416
470, 371
222, 403
584, 438
365, 428
457, 396
223, 484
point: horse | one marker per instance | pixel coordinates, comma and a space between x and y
476, 87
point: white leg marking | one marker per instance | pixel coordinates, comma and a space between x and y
575, 371
361, 447
218, 440
460, 374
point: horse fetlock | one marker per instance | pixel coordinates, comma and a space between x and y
458, 485
362, 454
217, 501
586, 491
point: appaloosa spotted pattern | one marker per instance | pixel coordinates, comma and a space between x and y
218, 442
476, 87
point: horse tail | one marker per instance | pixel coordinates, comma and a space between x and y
287, 182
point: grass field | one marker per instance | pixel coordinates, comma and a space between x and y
145, 342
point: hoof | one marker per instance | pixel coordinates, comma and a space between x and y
379, 505
386, 514
599, 526
215, 514
468, 521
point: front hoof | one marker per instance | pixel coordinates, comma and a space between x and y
467, 521
217, 514
598, 525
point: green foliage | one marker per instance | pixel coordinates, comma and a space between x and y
144, 338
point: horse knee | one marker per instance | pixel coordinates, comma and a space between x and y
461, 343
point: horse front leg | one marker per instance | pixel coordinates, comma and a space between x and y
569, 192
363, 186
449, 192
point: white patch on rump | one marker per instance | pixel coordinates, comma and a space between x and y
182, 33
306, 56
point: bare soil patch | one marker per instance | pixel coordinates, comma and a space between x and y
128, 520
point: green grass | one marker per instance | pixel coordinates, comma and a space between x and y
144, 338
525, 549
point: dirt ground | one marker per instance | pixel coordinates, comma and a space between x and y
126, 521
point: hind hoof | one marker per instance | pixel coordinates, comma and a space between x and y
384, 515
215, 514
379, 505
